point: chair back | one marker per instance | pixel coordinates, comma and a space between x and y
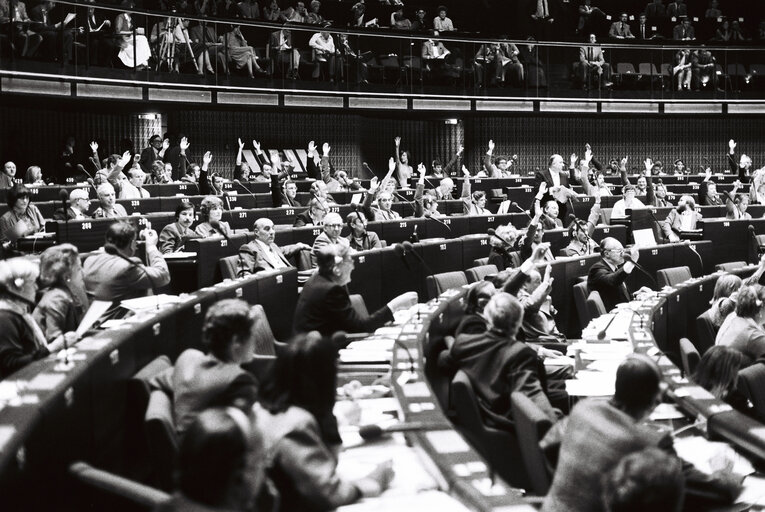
476, 274
162, 439
264, 336
706, 332
730, 266
481, 261
751, 383
595, 306
581, 291
672, 276
229, 266
531, 424
689, 355
439, 283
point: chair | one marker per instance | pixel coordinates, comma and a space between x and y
649, 73
531, 424
730, 266
751, 383
138, 494
481, 261
260, 366
479, 273
706, 332
439, 283
359, 305
689, 355
229, 266
160, 434
760, 244
580, 300
672, 276
595, 306
265, 343
499, 447
626, 74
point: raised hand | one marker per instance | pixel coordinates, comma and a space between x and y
732, 145
421, 169
373, 184
548, 271
537, 210
391, 165
94, 147
707, 173
540, 251
207, 158
491, 146
648, 165
325, 149
184, 144
397, 140
241, 144
623, 162
460, 149
166, 144
125, 158
572, 159
465, 171
588, 154
311, 147
256, 145
543, 188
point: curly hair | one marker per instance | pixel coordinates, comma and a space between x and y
56, 264
207, 204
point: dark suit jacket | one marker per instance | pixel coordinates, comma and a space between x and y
109, 277
608, 283
252, 259
326, 307
497, 366
148, 156
171, 239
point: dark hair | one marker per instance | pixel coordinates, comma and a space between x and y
352, 217
56, 264
718, 370
304, 375
182, 208
226, 321
121, 234
15, 193
637, 383
212, 456
649, 479
207, 204
326, 258
750, 300
482, 290
478, 195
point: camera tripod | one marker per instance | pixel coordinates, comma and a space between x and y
167, 45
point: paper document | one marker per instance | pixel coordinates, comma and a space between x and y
95, 311
698, 451
149, 302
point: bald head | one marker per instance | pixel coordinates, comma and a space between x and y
264, 230
9, 168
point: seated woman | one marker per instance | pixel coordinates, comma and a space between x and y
220, 464
33, 177
64, 301
722, 303
502, 247
474, 203
174, 236
240, 53
21, 339
717, 372
210, 213
216, 379
300, 433
23, 218
742, 329
135, 51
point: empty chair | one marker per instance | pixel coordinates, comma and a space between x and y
481, 261
751, 383
706, 332
479, 273
265, 343
439, 283
595, 305
499, 447
730, 266
228, 266
625, 74
672, 276
531, 424
580, 300
161, 437
689, 355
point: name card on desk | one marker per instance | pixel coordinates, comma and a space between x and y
447, 441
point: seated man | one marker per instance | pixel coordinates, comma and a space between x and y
598, 433
113, 274
497, 364
607, 276
108, 208
580, 233
285, 55
324, 304
173, 237
629, 201
132, 187
314, 216
360, 239
550, 210
538, 312
682, 218
593, 68
79, 204
199, 381
384, 195
262, 253
333, 225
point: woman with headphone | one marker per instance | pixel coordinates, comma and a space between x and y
473, 203
360, 239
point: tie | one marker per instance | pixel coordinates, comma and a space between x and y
621, 30
544, 8
642, 31
589, 52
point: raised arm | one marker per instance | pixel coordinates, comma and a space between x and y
457, 156
204, 183
419, 209
491, 169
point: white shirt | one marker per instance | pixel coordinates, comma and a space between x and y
130, 191
319, 43
555, 178
686, 220
269, 254
620, 208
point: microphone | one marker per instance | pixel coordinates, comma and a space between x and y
444, 224
369, 432
518, 207
408, 247
400, 250
414, 238
340, 339
112, 249
602, 332
583, 227
255, 201
227, 201
217, 227
693, 249
753, 238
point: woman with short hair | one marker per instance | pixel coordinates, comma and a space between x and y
742, 329
23, 218
210, 223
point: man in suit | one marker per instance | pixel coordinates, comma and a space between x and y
109, 208
643, 31
607, 276
543, 14
79, 204
333, 225
554, 183
497, 364
173, 237
359, 238
57, 40
324, 304
113, 274
676, 9
153, 152
262, 253
684, 31
280, 43
621, 29
599, 433
592, 65
24, 40
683, 218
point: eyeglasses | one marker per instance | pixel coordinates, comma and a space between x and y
619, 251
334, 226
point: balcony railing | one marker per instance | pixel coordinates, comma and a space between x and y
94, 42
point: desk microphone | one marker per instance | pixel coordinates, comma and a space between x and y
226, 200
693, 249
602, 333
518, 207
444, 224
408, 247
753, 238
400, 250
112, 249
254, 199
369, 432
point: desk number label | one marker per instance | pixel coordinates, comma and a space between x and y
157, 328
290, 212
135, 203
224, 243
654, 252
606, 230
442, 247
362, 259
86, 226
490, 219
242, 215
484, 242
279, 279
726, 224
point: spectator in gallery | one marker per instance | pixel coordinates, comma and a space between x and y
441, 22
655, 9
713, 11
621, 29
